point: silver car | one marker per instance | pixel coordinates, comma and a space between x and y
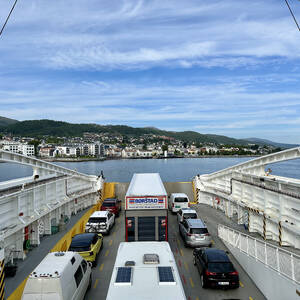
186, 213
194, 233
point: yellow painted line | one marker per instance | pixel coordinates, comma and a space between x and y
96, 282
191, 282
178, 242
197, 298
106, 253
186, 266
212, 242
241, 284
181, 252
110, 242
114, 233
250, 298
101, 267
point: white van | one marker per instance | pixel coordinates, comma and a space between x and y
178, 201
59, 276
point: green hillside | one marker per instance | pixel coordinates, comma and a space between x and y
35, 128
6, 121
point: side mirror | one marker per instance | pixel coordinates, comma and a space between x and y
100, 235
90, 264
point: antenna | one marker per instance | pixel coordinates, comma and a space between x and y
292, 14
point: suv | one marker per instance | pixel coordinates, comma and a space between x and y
87, 245
215, 268
113, 205
194, 233
186, 213
100, 221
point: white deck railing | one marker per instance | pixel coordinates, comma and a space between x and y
282, 261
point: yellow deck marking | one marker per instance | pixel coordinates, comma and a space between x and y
241, 284
181, 252
101, 267
106, 253
186, 266
250, 298
110, 242
191, 281
114, 233
212, 242
96, 282
178, 242
197, 298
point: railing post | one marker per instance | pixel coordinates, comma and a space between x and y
255, 248
293, 267
277, 259
266, 260
247, 245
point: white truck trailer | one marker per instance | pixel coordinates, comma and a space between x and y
146, 209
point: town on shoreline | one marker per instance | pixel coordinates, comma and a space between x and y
97, 147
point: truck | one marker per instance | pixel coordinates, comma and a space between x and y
146, 209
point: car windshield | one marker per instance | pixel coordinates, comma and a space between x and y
108, 204
181, 199
198, 230
97, 220
79, 248
190, 216
220, 267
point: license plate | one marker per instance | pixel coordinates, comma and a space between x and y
223, 283
177, 206
199, 238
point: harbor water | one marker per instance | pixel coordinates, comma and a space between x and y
171, 170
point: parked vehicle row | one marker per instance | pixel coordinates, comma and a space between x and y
68, 275
214, 266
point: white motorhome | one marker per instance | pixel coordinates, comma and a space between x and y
60, 276
145, 270
146, 209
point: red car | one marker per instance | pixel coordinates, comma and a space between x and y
113, 205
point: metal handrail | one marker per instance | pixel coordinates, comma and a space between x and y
284, 260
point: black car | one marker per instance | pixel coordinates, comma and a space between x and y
215, 268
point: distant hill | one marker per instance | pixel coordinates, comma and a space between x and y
35, 128
6, 121
267, 142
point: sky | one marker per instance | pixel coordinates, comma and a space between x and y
217, 67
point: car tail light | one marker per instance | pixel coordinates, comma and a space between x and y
210, 273
234, 273
189, 205
207, 234
91, 253
172, 204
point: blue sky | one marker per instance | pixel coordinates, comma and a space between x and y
220, 67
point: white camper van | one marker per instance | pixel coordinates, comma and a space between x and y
145, 270
60, 276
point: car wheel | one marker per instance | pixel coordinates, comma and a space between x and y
90, 283
203, 283
194, 261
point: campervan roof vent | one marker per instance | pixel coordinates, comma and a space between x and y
129, 263
151, 258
